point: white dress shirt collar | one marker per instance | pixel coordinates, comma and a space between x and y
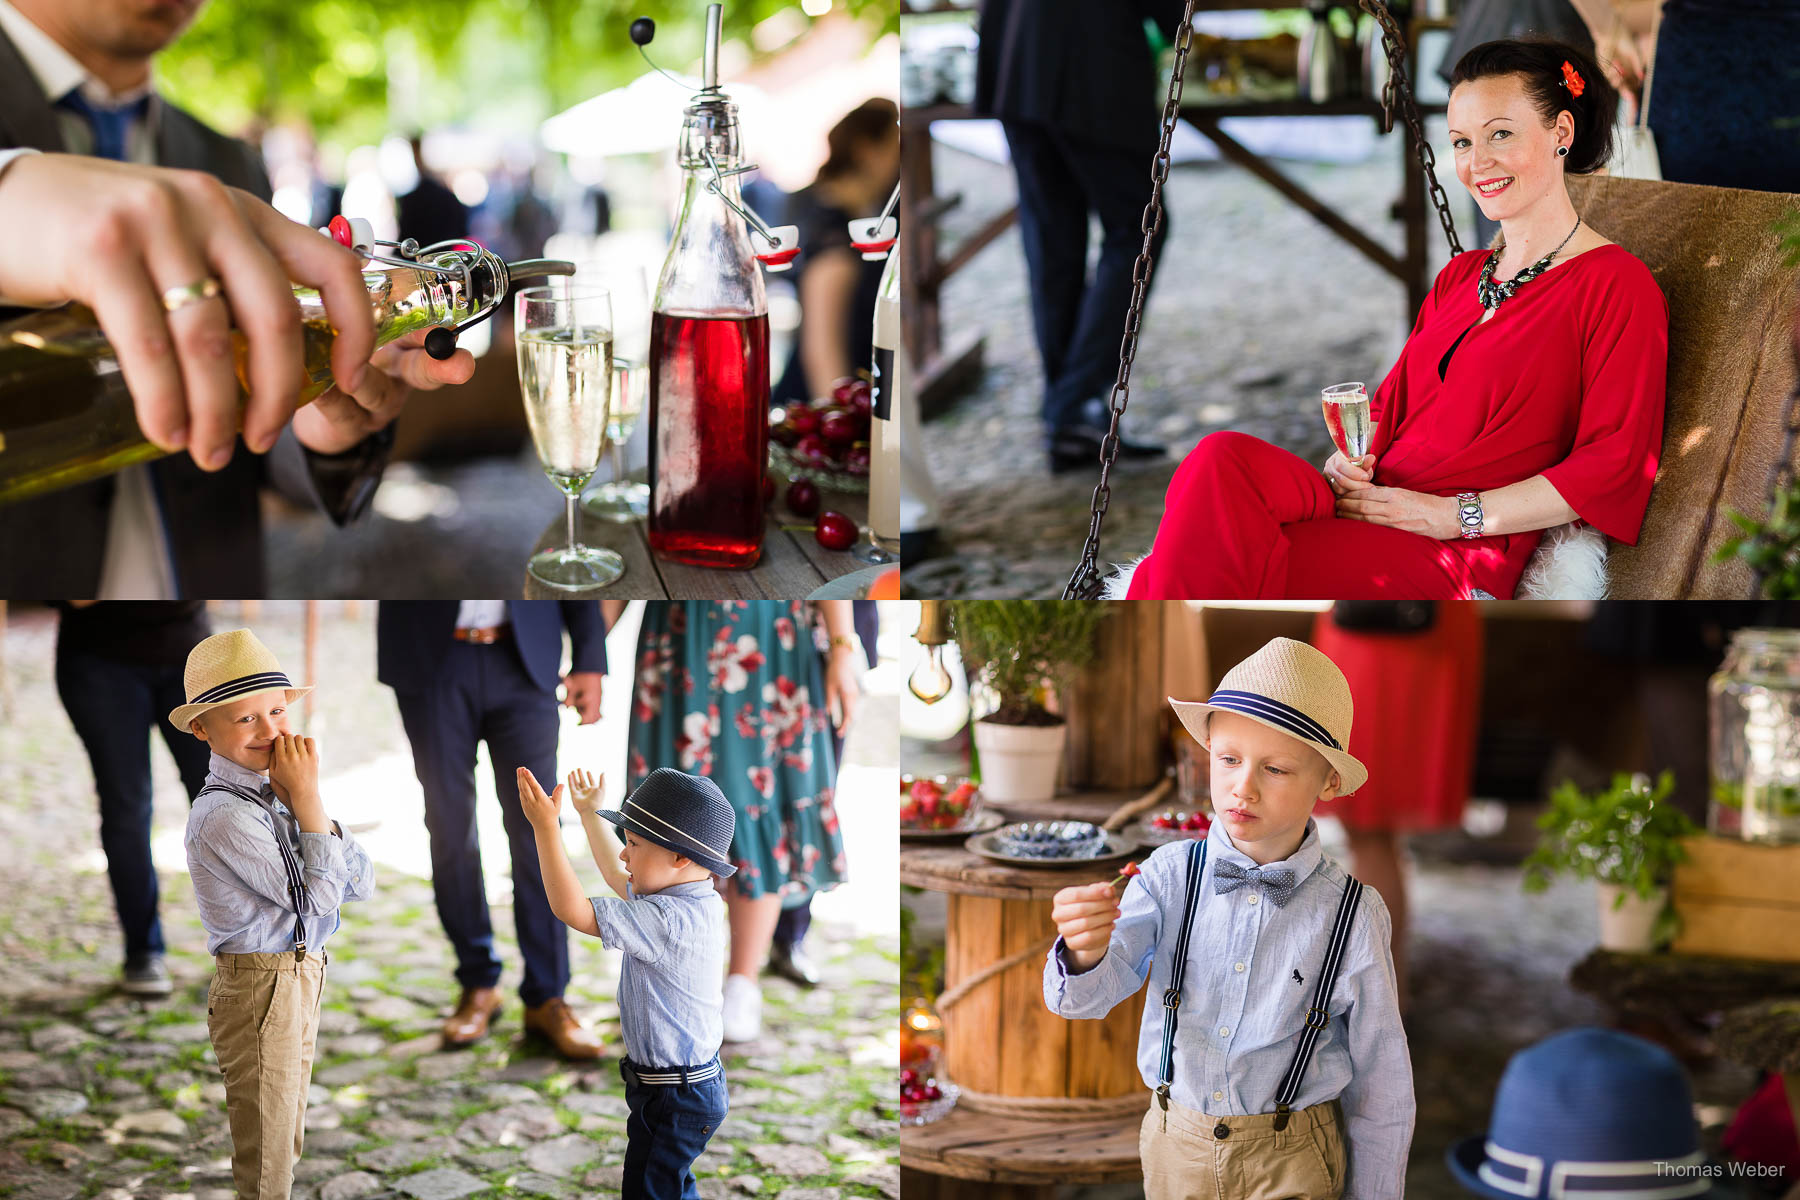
1303, 861
57, 71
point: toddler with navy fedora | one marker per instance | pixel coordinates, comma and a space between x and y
669, 921
1272, 1038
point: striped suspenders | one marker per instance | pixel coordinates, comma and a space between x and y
1165, 1075
1317, 1016
295, 876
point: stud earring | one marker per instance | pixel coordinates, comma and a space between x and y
1562, 152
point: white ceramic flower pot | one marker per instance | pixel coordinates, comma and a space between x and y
1628, 927
1019, 762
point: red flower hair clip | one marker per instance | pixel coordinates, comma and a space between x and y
1572, 79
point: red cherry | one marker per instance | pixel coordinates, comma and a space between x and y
838, 428
835, 531
934, 1092
843, 389
803, 420
857, 461
862, 400
909, 1076
784, 433
811, 449
802, 498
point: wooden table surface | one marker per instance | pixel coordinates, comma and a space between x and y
793, 563
1041, 1151
948, 867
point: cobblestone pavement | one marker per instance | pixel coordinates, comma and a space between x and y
1255, 307
104, 1097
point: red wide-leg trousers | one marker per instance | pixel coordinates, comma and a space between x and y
1244, 520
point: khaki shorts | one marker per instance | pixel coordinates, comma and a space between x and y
262, 1011
1185, 1159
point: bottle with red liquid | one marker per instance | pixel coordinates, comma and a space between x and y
709, 356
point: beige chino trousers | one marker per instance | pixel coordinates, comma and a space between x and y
262, 1011
1187, 1156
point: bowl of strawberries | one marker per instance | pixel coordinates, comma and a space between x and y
942, 806
1170, 825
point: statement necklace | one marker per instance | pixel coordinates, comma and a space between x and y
1494, 294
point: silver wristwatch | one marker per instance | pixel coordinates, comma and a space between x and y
1468, 513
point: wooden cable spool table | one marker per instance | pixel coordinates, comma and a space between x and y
1045, 1100
793, 564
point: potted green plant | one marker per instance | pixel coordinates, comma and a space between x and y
1022, 650
1627, 840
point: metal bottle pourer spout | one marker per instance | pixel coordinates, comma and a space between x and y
470, 264
783, 241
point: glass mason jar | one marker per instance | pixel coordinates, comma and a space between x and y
1755, 738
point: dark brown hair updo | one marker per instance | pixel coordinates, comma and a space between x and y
1539, 62
871, 121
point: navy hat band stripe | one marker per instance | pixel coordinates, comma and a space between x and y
643, 813
266, 681
1663, 1179
1274, 711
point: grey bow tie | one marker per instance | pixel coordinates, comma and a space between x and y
1277, 884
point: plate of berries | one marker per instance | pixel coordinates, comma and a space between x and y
1170, 825
925, 1098
942, 807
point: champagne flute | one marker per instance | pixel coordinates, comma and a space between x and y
1346, 407
565, 344
619, 498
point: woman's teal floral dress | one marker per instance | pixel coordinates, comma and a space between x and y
734, 690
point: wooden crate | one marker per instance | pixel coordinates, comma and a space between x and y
1739, 899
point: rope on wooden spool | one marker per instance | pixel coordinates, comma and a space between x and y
954, 996
1132, 808
1104, 1108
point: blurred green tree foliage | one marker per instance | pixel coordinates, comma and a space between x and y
356, 71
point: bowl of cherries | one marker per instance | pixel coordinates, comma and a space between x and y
826, 441
923, 1097
1169, 825
942, 806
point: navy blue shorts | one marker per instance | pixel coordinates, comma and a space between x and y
668, 1129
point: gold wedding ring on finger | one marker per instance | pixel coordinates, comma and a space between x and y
177, 298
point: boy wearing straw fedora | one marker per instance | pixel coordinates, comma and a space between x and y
669, 921
270, 870
1272, 1040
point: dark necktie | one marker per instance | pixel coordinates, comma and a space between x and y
110, 125
1277, 883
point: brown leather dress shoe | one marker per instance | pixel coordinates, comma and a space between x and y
469, 1023
555, 1021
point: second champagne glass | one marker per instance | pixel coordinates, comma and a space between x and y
621, 498
565, 341
1346, 408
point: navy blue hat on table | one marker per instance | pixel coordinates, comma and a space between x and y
684, 813
1589, 1114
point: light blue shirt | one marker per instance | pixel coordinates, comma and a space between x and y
1242, 1011
240, 882
671, 993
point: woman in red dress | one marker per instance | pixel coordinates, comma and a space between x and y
1530, 393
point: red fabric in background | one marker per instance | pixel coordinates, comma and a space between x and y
1762, 1130
1567, 381
1418, 700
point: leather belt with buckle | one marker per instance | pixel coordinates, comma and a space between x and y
486, 636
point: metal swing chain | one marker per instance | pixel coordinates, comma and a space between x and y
1398, 83
1085, 582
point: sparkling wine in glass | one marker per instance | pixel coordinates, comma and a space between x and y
1346, 408
620, 498
565, 342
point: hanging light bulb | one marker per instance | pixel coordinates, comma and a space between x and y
930, 680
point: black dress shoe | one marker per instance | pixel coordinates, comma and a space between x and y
792, 963
1077, 448
1076, 445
